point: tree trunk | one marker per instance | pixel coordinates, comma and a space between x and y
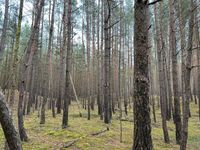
187, 79
22, 132
142, 125
47, 77
172, 46
88, 56
4, 30
30, 51
12, 137
198, 58
62, 52
107, 51
98, 61
160, 51
68, 67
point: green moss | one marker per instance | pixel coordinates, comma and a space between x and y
52, 136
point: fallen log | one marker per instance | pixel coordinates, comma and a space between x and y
70, 143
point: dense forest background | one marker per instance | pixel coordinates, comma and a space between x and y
100, 74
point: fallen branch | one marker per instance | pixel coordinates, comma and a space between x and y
127, 120
80, 114
97, 133
154, 2
70, 143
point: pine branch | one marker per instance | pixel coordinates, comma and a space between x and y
154, 2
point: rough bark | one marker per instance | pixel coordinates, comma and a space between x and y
22, 132
160, 51
98, 61
47, 77
142, 122
198, 59
107, 52
62, 52
88, 56
11, 135
187, 80
172, 46
68, 67
29, 54
4, 30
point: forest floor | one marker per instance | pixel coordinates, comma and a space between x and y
52, 136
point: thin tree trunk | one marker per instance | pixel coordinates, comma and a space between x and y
160, 50
198, 59
4, 30
88, 56
172, 46
30, 51
62, 50
107, 66
22, 132
68, 67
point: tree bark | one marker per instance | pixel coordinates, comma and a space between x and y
47, 73
11, 135
198, 58
107, 51
160, 51
68, 67
142, 122
172, 46
187, 80
4, 30
25, 68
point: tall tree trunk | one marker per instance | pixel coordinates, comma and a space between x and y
22, 132
182, 40
88, 18
198, 58
160, 49
93, 57
68, 67
48, 68
4, 30
98, 61
62, 52
187, 79
142, 125
172, 46
25, 68
107, 51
